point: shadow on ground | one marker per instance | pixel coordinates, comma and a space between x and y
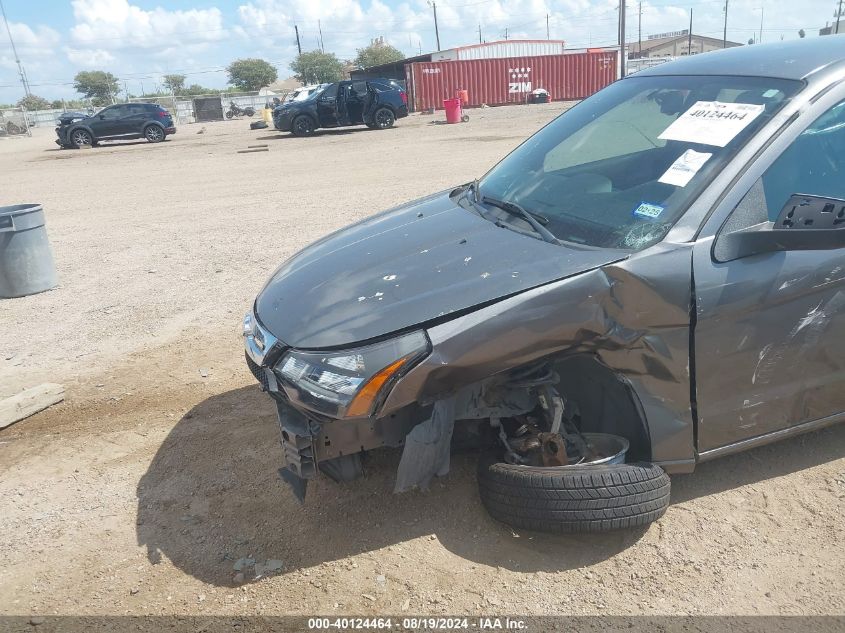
211, 496
322, 132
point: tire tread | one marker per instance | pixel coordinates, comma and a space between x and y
590, 498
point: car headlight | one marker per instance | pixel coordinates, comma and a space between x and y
350, 383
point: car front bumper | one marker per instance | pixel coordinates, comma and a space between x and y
282, 121
308, 438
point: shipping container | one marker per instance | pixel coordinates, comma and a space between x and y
501, 49
510, 80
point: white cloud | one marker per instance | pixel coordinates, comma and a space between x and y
117, 24
140, 44
88, 58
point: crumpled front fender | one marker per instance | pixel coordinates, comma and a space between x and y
634, 316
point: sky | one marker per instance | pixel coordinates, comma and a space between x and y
140, 40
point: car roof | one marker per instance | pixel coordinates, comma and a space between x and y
794, 59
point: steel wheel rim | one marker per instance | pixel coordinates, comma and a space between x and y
154, 134
81, 138
383, 118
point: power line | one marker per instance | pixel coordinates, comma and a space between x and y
15, 51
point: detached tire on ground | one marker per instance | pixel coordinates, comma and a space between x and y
589, 498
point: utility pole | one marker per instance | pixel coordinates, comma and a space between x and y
548, 37
838, 17
761, 24
506, 32
725, 32
689, 35
320, 29
126, 90
24, 82
298, 45
480, 41
436, 29
640, 33
622, 52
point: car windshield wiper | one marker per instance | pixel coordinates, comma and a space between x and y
534, 219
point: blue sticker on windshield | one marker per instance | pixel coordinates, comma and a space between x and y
648, 210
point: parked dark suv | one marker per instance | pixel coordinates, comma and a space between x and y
376, 103
122, 121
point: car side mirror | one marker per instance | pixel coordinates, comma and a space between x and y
806, 223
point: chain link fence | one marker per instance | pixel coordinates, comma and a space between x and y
17, 121
13, 122
191, 109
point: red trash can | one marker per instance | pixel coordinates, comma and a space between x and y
453, 110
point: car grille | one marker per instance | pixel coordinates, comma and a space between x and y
258, 372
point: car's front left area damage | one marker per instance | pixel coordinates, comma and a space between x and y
583, 371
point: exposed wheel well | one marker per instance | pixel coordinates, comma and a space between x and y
604, 402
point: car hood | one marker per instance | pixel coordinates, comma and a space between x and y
69, 117
405, 267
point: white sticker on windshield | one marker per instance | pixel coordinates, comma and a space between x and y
712, 122
682, 170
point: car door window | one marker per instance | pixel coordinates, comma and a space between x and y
112, 113
330, 92
813, 164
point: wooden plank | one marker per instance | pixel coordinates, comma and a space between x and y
29, 402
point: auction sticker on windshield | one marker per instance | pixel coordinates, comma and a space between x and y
685, 168
712, 122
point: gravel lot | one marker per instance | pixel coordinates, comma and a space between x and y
153, 486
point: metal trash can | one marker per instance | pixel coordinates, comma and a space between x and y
26, 261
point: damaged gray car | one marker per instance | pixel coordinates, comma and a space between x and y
653, 280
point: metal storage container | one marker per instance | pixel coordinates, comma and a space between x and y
510, 80
26, 261
506, 48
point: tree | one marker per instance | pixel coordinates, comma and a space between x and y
251, 74
174, 83
195, 89
97, 85
376, 54
34, 102
317, 67
802, 34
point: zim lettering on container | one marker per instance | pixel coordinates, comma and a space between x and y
517, 83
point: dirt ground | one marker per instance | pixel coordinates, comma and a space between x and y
153, 490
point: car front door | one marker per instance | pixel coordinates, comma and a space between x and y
769, 342
132, 119
105, 123
327, 106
